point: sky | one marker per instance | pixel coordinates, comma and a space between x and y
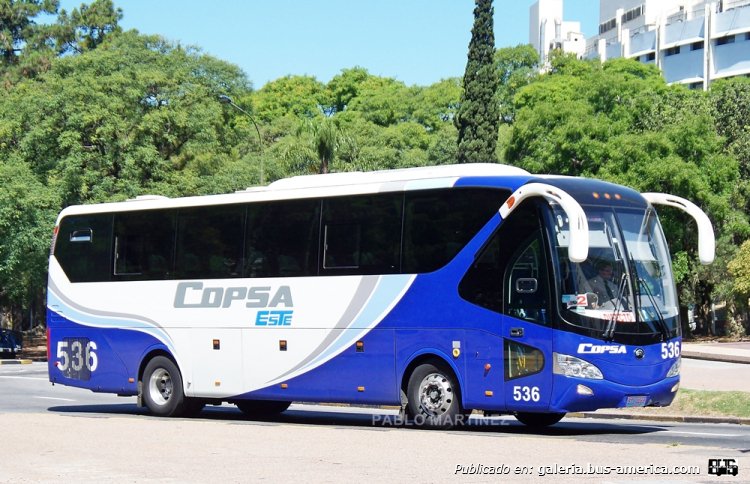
418, 42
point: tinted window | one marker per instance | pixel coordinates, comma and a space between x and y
210, 242
482, 284
438, 224
282, 239
362, 234
510, 275
83, 247
144, 245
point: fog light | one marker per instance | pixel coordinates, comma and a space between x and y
676, 387
584, 390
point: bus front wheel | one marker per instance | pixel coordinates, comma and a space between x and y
538, 420
162, 388
434, 399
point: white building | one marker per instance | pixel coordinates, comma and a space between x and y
693, 42
548, 31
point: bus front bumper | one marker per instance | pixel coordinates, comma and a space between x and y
579, 394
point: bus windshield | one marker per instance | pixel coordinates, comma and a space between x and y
624, 290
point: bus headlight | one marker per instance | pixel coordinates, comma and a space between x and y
571, 366
675, 370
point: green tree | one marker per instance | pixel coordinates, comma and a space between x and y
314, 146
302, 96
516, 67
478, 117
27, 214
86, 27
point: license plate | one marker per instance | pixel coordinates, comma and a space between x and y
636, 401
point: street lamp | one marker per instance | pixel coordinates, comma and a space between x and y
224, 99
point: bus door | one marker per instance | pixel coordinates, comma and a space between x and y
527, 332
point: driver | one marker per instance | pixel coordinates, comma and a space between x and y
602, 284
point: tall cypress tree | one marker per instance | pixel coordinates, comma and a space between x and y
478, 116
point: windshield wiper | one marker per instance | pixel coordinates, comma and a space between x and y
609, 331
659, 318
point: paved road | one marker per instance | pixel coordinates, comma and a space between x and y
59, 433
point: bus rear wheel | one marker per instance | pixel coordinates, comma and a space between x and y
162, 388
538, 420
434, 398
261, 408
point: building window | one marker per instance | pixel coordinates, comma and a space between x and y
729, 39
651, 56
632, 14
672, 51
747, 36
696, 45
695, 86
607, 26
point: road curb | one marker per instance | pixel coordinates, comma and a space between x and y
698, 355
15, 362
662, 418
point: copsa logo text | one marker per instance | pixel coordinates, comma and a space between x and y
591, 349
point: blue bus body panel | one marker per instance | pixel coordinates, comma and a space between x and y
367, 376
119, 352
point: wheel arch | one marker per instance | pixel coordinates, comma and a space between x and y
153, 353
434, 357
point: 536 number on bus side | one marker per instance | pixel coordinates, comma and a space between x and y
525, 394
76, 358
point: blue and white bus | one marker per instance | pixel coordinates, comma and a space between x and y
441, 289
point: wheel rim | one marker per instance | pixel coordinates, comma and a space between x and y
435, 394
160, 386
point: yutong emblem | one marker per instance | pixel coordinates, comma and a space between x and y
639, 353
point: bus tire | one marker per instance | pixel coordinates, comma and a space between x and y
162, 388
434, 397
261, 408
538, 420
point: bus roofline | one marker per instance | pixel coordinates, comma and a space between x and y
578, 249
706, 239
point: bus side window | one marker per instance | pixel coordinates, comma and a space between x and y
83, 247
209, 242
510, 275
282, 239
143, 245
362, 234
482, 284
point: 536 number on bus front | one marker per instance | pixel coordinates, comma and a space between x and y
670, 350
76, 358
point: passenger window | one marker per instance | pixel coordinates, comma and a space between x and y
83, 247
362, 234
439, 223
210, 242
144, 245
482, 284
282, 239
